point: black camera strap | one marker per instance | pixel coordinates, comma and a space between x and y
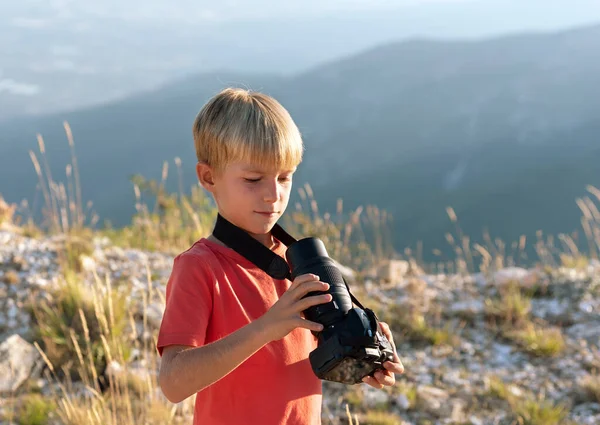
258, 254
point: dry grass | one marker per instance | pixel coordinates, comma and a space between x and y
414, 326
6, 211
527, 408
174, 221
552, 252
538, 340
539, 411
511, 307
85, 392
590, 387
76, 320
381, 418
359, 238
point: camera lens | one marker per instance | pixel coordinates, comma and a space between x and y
309, 255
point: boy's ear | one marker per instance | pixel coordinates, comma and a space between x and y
205, 175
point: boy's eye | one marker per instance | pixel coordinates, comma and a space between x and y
252, 180
285, 179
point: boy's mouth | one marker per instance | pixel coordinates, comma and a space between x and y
267, 213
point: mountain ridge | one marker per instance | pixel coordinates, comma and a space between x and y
423, 126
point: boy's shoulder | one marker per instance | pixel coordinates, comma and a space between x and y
208, 252
199, 250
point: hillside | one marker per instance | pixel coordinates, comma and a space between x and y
503, 130
500, 347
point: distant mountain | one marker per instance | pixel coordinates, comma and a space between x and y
504, 130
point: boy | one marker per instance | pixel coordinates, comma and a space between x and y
231, 334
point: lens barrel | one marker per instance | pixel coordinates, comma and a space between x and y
309, 255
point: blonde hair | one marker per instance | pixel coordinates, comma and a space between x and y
240, 125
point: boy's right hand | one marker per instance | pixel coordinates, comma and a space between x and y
286, 314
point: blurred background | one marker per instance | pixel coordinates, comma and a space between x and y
452, 165
416, 106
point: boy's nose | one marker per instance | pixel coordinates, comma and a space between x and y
272, 192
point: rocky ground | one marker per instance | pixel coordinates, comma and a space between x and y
496, 348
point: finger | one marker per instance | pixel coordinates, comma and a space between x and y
394, 367
369, 380
388, 334
304, 278
385, 328
307, 324
385, 378
305, 303
310, 286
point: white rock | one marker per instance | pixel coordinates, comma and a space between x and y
589, 331
374, 397
467, 307
501, 355
113, 369
18, 361
526, 278
154, 314
550, 308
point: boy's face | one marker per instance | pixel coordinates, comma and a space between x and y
248, 196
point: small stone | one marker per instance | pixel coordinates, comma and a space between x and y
403, 402
457, 414
467, 348
433, 400
587, 306
88, 263
374, 397
12, 309
475, 420
467, 308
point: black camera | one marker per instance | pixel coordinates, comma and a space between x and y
351, 344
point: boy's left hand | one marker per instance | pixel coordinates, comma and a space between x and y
386, 377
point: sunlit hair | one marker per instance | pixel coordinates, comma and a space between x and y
241, 125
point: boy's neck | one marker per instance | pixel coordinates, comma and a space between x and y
267, 240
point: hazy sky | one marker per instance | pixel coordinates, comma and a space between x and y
44, 12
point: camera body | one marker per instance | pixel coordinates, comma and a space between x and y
351, 344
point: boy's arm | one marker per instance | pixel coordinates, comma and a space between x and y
185, 371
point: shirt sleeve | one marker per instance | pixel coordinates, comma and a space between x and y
188, 303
